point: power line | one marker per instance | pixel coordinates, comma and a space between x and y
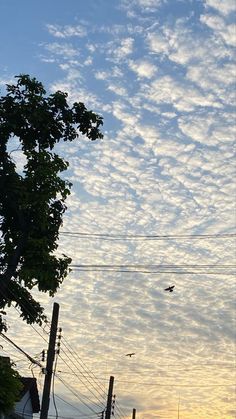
53, 385
32, 360
75, 394
83, 416
175, 384
136, 269
160, 266
78, 362
69, 404
117, 406
106, 236
27, 310
81, 363
165, 370
100, 405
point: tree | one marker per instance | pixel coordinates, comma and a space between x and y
32, 202
10, 386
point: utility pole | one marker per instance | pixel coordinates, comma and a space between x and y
134, 414
49, 365
109, 398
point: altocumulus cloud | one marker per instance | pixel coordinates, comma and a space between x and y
163, 77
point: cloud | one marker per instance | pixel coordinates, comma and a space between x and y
219, 26
125, 48
181, 95
224, 7
164, 86
67, 31
6, 80
158, 43
119, 90
143, 6
143, 68
63, 49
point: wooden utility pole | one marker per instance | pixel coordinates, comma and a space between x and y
109, 398
134, 414
49, 365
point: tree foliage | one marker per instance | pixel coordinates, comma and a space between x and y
10, 386
32, 202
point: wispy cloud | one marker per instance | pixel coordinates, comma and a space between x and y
143, 68
67, 31
66, 50
224, 7
162, 75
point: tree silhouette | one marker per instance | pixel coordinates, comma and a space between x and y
10, 386
32, 201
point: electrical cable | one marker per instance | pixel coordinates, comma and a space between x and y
32, 360
68, 403
27, 310
175, 384
88, 268
60, 417
146, 236
149, 266
53, 385
27, 400
80, 362
119, 409
75, 394
101, 405
63, 351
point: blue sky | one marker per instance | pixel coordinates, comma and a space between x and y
162, 75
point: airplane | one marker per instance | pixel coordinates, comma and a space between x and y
170, 289
133, 353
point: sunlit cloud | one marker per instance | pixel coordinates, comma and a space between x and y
162, 75
224, 7
143, 68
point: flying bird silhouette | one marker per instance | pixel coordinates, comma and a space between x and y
133, 353
170, 289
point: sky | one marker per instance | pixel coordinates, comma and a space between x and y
152, 204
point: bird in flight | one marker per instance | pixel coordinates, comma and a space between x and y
170, 289
133, 353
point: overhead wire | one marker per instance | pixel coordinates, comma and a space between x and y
73, 391
179, 266
83, 416
32, 360
155, 269
81, 363
159, 371
67, 363
101, 405
118, 407
159, 266
68, 403
53, 384
27, 310
122, 269
175, 384
46, 341
109, 236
